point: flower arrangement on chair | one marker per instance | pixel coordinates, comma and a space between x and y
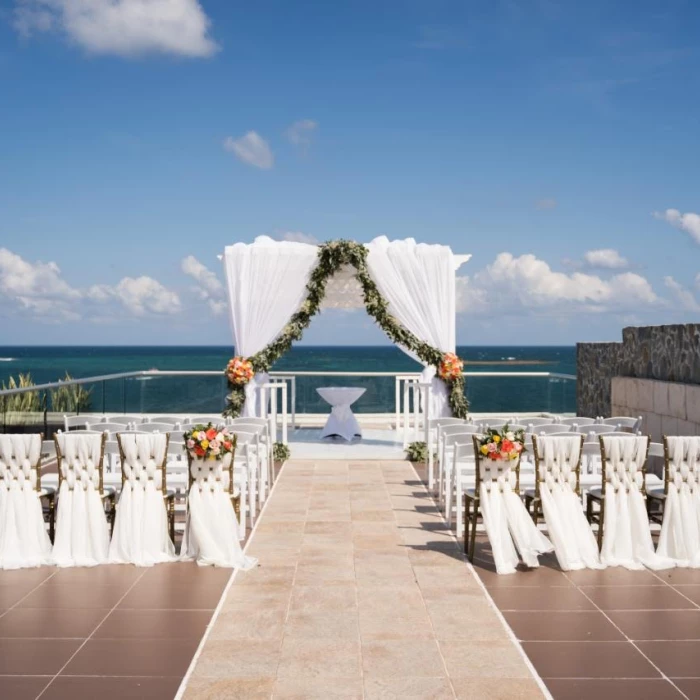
451, 367
502, 445
239, 370
208, 442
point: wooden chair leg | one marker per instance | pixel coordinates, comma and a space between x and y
601, 523
171, 518
589, 509
475, 517
52, 517
467, 503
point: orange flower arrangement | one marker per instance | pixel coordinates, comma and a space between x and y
208, 442
239, 370
451, 367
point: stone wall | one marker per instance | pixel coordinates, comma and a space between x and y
663, 353
668, 408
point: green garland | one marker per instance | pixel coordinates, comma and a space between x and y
331, 257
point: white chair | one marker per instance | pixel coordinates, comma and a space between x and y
534, 421
70, 422
266, 447
600, 429
679, 539
247, 460
434, 425
124, 420
141, 535
204, 420
24, 541
170, 420
110, 427
445, 456
624, 535
549, 428
464, 474
451, 436
629, 423
557, 496
496, 422
82, 527
156, 427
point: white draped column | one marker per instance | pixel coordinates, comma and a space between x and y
418, 282
266, 284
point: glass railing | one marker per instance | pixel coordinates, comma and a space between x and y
42, 407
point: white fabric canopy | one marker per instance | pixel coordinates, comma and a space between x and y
266, 285
418, 282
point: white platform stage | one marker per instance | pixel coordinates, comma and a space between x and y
375, 444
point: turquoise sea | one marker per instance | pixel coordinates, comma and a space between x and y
199, 394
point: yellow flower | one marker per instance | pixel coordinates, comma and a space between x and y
484, 450
496, 438
204, 444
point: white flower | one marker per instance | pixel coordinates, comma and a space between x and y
510, 436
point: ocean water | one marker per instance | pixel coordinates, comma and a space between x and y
207, 394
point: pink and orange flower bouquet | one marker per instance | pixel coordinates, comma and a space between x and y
208, 442
502, 445
239, 370
451, 367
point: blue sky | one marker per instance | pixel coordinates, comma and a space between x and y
556, 141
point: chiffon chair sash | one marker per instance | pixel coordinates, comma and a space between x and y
24, 541
574, 543
680, 531
507, 523
82, 531
211, 531
141, 526
626, 535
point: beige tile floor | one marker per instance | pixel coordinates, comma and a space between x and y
361, 592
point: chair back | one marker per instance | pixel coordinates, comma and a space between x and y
549, 428
70, 422
623, 461
600, 429
143, 458
495, 473
20, 460
224, 469
111, 427
170, 420
125, 420
81, 459
682, 462
558, 460
534, 421
156, 427
497, 422
458, 433
627, 422
216, 421
578, 421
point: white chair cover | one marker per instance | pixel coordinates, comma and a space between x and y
571, 535
680, 531
82, 531
418, 282
266, 284
342, 420
24, 541
141, 526
626, 535
506, 519
211, 531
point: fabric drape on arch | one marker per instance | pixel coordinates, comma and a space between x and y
418, 281
266, 283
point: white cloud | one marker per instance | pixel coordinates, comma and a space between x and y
514, 284
605, 257
251, 149
297, 237
36, 287
301, 132
209, 287
122, 27
683, 296
689, 222
546, 203
143, 295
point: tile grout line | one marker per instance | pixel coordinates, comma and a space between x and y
89, 637
509, 632
36, 588
217, 611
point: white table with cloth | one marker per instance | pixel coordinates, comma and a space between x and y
342, 420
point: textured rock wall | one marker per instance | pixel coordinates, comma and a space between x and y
664, 353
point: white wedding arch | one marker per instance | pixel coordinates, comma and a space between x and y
273, 287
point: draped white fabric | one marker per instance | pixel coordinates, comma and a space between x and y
24, 541
626, 535
266, 284
342, 420
680, 532
508, 525
418, 282
82, 531
571, 535
211, 531
141, 525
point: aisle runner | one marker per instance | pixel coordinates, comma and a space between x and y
361, 592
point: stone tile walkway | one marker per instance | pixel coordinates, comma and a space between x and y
361, 592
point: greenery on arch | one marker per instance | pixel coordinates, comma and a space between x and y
331, 257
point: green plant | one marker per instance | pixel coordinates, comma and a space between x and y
280, 452
70, 399
331, 257
26, 402
417, 452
